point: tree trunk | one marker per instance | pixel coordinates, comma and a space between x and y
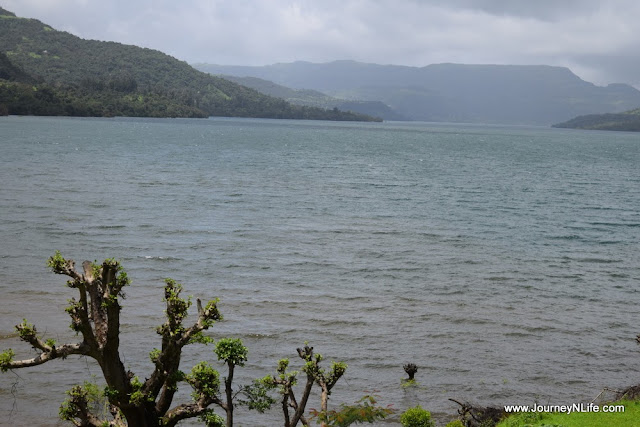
229, 392
324, 403
140, 416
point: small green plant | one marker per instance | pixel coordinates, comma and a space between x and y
365, 410
455, 423
211, 419
416, 417
521, 419
408, 383
410, 369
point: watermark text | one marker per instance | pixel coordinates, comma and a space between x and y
566, 409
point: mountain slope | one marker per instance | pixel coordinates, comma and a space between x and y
314, 98
96, 70
454, 92
8, 71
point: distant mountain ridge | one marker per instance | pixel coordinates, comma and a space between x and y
509, 94
74, 76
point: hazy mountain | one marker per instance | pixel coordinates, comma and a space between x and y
510, 94
90, 77
313, 98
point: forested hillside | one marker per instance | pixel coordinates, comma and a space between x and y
89, 77
313, 98
627, 121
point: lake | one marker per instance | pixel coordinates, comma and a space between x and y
503, 261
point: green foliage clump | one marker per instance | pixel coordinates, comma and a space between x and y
137, 396
73, 310
57, 263
232, 351
416, 417
336, 371
110, 393
26, 330
86, 397
205, 381
71, 406
201, 338
365, 410
154, 355
455, 423
212, 307
211, 419
256, 395
177, 309
5, 358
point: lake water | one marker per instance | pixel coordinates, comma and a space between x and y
503, 261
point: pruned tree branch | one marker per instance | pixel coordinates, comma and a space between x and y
48, 349
174, 337
185, 411
52, 353
206, 317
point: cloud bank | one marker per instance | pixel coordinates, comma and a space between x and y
597, 40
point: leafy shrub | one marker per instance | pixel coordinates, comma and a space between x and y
416, 417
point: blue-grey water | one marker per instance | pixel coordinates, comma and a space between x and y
503, 261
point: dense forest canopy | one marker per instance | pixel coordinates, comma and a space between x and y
97, 78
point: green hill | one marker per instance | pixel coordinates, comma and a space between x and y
627, 121
89, 77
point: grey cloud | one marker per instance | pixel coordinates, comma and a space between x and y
596, 39
537, 9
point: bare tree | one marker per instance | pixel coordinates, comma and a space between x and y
95, 316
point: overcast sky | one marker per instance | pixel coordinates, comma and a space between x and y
599, 40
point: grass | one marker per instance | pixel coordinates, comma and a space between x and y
629, 418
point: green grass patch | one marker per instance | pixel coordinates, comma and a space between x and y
629, 418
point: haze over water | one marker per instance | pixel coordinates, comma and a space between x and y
503, 261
